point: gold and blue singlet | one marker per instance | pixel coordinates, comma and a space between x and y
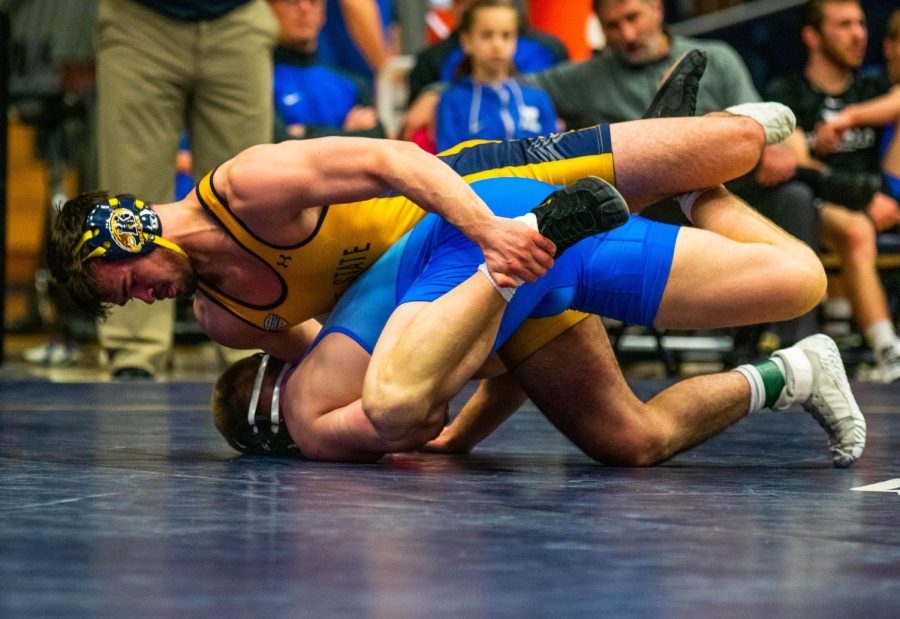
350, 237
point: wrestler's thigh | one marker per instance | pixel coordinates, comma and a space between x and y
659, 158
576, 382
395, 327
717, 282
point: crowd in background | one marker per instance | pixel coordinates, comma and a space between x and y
182, 86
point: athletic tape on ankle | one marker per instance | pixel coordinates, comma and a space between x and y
506, 292
773, 380
757, 389
686, 202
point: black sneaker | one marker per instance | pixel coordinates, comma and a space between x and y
588, 206
677, 95
130, 373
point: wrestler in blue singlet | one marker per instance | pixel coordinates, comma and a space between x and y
619, 274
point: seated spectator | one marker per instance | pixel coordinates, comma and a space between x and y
619, 83
485, 101
890, 153
535, 51
312, 99
845, 175
883, 111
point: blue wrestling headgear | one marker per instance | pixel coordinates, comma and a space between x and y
121, 228
265, 434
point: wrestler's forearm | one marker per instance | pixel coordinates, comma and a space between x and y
492, 403
347, 435
436, 187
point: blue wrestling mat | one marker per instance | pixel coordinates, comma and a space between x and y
126, 503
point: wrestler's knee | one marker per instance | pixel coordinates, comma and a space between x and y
751, 135
807, 281
630, 436
743, 136
636, 448
394, 412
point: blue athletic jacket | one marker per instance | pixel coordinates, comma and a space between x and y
474, 110
318, 96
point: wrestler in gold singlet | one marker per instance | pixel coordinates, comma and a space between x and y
350, 237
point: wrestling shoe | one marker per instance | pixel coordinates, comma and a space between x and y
816, 378
777, 119
588, 206
677, 94
887, 363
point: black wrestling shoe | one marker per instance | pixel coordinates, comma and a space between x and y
588, 206
677, 95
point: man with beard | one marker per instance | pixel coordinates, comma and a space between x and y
845, 175
619, 83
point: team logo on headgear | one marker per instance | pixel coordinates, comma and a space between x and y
126, 230
121, 228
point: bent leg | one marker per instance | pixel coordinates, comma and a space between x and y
647, 160
852, 235
658, 158
750, 271
427, 352
596, 409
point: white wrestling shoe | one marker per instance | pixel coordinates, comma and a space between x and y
777, 119
816, 378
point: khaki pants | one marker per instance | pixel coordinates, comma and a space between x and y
155, 77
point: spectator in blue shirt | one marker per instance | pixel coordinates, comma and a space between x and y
313, 99
486, 101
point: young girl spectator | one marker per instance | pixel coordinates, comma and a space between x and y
485, 101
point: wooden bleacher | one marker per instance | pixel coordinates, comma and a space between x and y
28, 197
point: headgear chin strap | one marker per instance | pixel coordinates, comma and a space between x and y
267, 435
121, 228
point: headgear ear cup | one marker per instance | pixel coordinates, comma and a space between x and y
121, 228
265, 434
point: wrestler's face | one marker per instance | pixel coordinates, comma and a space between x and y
634, 29
300, 22
161, 274
843, 35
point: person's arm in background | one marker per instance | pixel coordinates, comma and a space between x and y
883, 110
854, 190
363, 21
